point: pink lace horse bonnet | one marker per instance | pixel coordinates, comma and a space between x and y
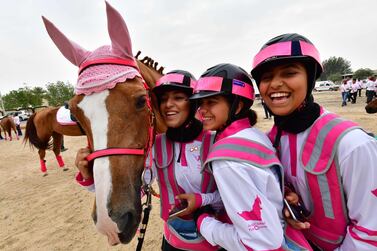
104, 67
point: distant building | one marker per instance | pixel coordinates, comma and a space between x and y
347, 75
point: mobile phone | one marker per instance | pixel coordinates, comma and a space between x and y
178, 209
297, 211
173, 213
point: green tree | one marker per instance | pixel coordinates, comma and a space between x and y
23, 97
363, 73
335, 65
336, 77
59, 92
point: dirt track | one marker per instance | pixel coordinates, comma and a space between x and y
53, 212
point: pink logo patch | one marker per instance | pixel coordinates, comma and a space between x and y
374, 192
255, 213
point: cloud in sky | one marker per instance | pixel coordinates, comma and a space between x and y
192, 35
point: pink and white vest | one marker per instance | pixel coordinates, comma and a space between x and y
256, 154
328, 219
164, 159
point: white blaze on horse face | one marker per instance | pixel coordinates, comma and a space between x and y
94, 108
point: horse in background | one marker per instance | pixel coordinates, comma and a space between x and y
113, 108
44, 132
7, 123
371, 107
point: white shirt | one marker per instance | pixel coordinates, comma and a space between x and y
357, 156
370, 85
239, 184
16, 120
343, 88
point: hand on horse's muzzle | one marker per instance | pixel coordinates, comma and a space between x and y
85, 168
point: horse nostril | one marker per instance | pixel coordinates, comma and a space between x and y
124, 220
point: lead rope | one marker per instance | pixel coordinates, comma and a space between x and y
147, 188
147, 207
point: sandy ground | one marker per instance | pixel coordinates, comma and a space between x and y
53, 212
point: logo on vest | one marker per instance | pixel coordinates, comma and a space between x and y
374, 192
255, 214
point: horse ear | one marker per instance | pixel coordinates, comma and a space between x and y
118, 32
71, 51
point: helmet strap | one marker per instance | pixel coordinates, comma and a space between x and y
232, 116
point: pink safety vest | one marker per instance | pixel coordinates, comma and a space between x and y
164, 156
329, 217
256, 154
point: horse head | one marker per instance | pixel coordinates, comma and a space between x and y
113, 107
371, 107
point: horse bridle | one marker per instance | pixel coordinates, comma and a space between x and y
146, 151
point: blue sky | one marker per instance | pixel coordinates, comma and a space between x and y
192, 35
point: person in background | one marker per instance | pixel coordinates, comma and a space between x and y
329, 162
370, 88
344, 92
349, 88
17, 121
354, 89
359, 87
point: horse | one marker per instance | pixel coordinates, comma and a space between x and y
371, 107
112, 105
8, 124
41, 127
44, 132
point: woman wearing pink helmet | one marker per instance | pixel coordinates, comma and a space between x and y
244, 165
328, 161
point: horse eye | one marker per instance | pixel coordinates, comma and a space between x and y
140, 102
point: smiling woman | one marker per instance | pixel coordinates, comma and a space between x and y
328, 161
281, 88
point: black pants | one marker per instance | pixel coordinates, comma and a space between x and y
370, 95
353, 97
349, 96
19, 132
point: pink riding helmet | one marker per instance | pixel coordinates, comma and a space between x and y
286, 48
224, 79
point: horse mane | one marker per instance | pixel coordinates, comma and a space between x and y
149, 62
150, 73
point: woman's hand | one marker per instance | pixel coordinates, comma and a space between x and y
82, 164
191, 200
293, 199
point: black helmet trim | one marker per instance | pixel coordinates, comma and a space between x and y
284, 51
210, 86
